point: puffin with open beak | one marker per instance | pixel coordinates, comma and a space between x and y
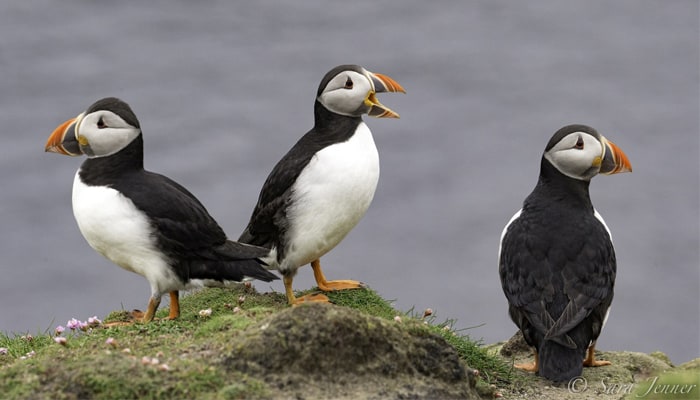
142, 221
319, 191
556, 259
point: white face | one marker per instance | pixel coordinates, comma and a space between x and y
103, 133
345, 94
578, 155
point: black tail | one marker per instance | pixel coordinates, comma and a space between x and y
232, 261
559, 363
240, 251
230, 270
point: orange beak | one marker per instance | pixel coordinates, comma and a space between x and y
63, 141
614, 159
382, 83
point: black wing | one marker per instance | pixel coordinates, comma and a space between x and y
268, 222
188, 234
182, 224
555, 276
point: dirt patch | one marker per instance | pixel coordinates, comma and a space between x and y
325, 351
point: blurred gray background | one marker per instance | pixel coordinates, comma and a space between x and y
224, 89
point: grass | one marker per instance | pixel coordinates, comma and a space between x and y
681, 385
178, 359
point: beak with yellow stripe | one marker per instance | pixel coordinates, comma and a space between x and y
381, 83
63, 139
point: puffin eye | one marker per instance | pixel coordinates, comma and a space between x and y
579, 143
348, 84
101, 123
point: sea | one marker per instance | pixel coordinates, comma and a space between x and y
223, 89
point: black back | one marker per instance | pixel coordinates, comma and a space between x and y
557, 269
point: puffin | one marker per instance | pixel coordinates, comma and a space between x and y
557, 263
143, 221
318, 192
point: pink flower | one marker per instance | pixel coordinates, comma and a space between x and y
94, 321
59, 330
60, 340
73, 324
3, 351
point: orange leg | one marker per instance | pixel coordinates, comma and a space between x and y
138, 315
590, 360
309, 298
148, 316
529, 367
329, 286
153, 304
174, 305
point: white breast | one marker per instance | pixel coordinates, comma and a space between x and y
115, 228
330, 197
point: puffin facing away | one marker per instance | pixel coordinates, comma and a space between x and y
323, 186
556, 258
143, 221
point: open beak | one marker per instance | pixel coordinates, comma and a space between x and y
63, 140
614, 160
382, 83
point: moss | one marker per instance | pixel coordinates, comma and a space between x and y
366, 300
264, 349
223, 323
336, 351
662, 357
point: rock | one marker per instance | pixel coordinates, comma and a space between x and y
626, 366
629, 372
325, 351
691, 365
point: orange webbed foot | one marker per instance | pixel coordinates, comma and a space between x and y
590, 360
330, 286
529, 367
310, 298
